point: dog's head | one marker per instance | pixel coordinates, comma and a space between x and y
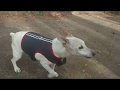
76, 46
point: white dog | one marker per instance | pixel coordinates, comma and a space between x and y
49, 52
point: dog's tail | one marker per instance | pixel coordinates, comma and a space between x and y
11, 34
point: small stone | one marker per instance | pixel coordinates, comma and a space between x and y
113, 33
98, 51
85, 65
83, 70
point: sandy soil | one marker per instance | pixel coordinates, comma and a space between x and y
99, 32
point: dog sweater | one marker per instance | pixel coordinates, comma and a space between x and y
33, 43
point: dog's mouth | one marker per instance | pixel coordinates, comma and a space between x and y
88, 57
93, 54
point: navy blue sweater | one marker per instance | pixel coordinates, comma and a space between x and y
33, 43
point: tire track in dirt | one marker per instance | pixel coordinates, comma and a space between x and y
104, 22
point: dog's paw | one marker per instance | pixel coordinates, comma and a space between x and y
52, 75
17, 69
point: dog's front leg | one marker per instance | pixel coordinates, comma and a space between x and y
51, 71
52, 66
45, 63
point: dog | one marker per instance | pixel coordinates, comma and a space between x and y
49, 52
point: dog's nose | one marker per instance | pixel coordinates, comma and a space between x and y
93, 53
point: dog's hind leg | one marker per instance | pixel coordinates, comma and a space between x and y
16, 56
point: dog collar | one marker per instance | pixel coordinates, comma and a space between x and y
63, 61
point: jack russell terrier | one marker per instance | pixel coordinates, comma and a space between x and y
49, 52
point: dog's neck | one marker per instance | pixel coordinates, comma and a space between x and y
58, 49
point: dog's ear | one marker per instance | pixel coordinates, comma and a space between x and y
63, 39
67, 34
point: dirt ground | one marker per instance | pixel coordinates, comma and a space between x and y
101, 32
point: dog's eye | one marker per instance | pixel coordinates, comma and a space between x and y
80, 47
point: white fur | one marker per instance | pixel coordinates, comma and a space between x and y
58, 48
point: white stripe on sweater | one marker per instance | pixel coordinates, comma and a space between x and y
39, 37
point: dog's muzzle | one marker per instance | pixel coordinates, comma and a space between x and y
93, 54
